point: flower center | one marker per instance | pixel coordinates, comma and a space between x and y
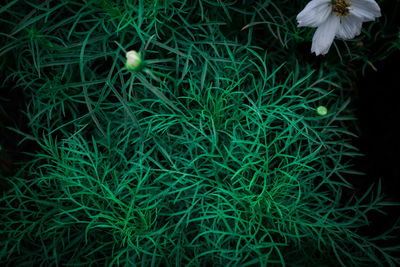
340, 7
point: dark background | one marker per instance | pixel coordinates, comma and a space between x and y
377, 109
377, 106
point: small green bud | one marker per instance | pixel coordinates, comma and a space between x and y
322, 111
133, 61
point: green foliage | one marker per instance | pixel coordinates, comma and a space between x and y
213, 154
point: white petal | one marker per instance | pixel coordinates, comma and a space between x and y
315, 13
366, 10
350, 26
324, 35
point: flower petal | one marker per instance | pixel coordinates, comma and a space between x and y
324, 35
366, 10
315, 13
350, 27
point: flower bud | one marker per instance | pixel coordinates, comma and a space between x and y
322, 111
133, 61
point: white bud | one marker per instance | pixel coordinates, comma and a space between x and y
133, 61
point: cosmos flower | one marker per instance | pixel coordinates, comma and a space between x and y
133, 60
336, 18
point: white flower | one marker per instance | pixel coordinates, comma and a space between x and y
133, 61
340, 18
